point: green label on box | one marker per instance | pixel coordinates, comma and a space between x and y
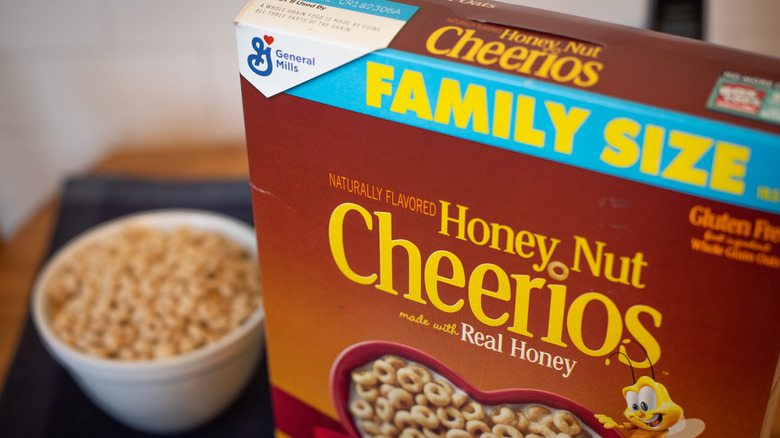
747, 96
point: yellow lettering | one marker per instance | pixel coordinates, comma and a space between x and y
485, 231
474, 103
516, 53
466, 39
411, 96
494, 48
533, 55
574, 324
524, 123
522, 239
566, 125
651, 150
336, 239
386, 246
430, 44
591, 72
581, 247
502, 115
376, 85
455, 42
433, 278
495, 232
488, 288
477, 291
557, 309
557, 69
640, 333
729, 168
523, 287
622, 149
682, 168
460, 221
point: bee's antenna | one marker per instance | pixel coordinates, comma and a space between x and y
633, 378
648, 359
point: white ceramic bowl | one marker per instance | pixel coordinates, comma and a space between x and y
166, 395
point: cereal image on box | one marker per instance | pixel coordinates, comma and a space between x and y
407, 393
396, 398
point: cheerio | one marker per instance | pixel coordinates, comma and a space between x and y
538, 210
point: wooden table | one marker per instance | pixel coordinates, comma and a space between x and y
21, 257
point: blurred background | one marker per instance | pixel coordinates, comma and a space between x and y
82, 78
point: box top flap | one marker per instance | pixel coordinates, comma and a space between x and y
657, 69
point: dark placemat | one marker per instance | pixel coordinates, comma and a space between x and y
40, 399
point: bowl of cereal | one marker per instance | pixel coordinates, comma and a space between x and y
157, 316
386, 389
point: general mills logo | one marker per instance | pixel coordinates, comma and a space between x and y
260, 61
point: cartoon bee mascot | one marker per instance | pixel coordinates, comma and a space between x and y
651, 413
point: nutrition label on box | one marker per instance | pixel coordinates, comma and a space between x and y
283, 43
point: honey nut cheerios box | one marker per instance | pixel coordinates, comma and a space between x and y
481, 220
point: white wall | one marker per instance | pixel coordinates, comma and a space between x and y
81, 77
636, 13
752, 25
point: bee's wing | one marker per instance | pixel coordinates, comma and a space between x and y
687, 428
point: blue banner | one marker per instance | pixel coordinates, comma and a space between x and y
573, 126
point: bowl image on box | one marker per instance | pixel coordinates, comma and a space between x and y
151, 383
382, 389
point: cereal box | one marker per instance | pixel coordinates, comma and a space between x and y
482, 220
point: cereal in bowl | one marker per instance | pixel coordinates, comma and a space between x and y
143, 293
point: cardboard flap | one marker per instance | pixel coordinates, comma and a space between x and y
283, 43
